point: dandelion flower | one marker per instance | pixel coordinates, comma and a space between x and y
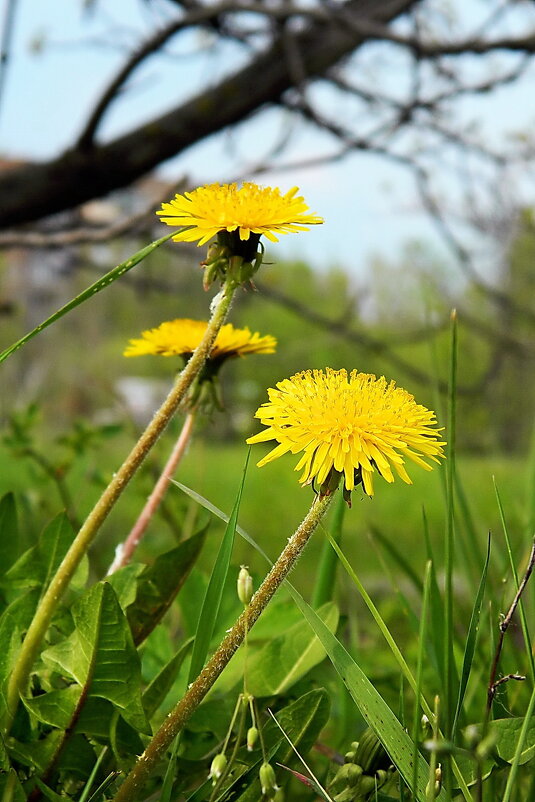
249, 209
181, 337
348, 425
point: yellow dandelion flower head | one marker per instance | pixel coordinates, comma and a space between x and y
249, 209
353, 424
181, 337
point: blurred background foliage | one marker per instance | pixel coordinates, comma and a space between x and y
394, 320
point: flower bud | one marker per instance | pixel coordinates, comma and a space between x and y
245, 585
252, 738
268, 781
437, 786
219, 764
279, 795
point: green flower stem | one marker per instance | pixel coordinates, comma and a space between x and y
126, 550
84, 538
134, 783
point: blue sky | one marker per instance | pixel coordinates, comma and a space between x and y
369, 204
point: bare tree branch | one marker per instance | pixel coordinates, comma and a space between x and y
36, 190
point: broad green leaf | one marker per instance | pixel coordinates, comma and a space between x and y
212, 717
36, 753
279, 616
124, 581
471, 640
158, 585
97, 719
507, 731
160, 686
374, 709
284, 660
99, 285
55, 708
9, 532
78, 757
100, 654
37, 566
214, 591
13, 622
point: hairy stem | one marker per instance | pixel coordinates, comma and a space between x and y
133, 785
126, 550
92, 524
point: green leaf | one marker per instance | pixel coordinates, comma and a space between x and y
214, 592
99, 285
96, 720
159, 584
507, 731
100, 654
374, 709
55, 708
160, 686
9, 532
124, 581
284, 660
36, 753
38, 565
13, 622
78, 757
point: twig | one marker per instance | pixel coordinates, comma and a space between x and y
504, 625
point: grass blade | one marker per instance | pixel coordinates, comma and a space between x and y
471, 641
214, 592
374, 709
450, 539
510, 787
420, 670
99, 285
399, 559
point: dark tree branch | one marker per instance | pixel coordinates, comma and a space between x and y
36, 190
87, 234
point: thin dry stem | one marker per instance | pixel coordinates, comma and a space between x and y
125, 551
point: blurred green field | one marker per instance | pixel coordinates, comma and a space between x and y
274, 503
